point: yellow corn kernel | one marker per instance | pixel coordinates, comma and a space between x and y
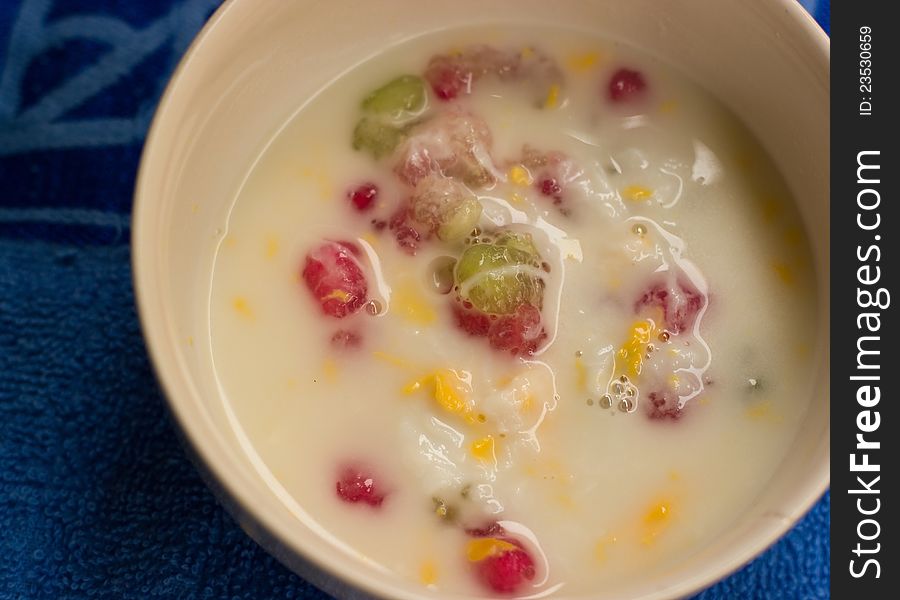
759, 410
566, 502
763, 412
771, 209
321, 180
552, 96
428, 572
584, 62
412, 305
412, 387
393, 360
633, 350
505, 380
242, 307
668, 107
600, 548
448, 390
339, 294
658, 513
600, 552
519, 175
272, 247
784, 272
656, 519
370, 238
637, 193
482, 548
330, 370
483, 449
528, 403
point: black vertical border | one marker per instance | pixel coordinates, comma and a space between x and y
858, 253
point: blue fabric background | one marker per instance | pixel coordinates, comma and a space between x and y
97, 499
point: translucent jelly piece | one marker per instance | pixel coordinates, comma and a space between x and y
501, 276
401, 98
376, 137
455, 143
446, 206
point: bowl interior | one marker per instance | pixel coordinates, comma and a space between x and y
259, 60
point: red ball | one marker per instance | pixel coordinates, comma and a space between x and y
626, 84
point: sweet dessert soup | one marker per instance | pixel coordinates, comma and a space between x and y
515, 313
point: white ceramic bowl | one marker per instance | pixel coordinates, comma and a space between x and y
257, 61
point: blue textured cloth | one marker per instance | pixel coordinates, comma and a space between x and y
96, 496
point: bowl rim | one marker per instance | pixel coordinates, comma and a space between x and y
226, 484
